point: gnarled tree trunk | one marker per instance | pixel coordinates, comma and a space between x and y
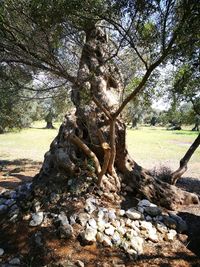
93, 132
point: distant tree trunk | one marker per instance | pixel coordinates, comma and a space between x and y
49, 125
184, 161
91, 132
49, 121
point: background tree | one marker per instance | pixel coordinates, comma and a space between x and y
68, 39
15, 111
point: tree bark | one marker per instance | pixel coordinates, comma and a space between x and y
95, 130
184, 161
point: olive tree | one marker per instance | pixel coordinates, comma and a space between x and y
80, 42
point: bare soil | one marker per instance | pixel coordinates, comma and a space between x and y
14, 173
17, 239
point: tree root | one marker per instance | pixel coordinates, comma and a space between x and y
163, 194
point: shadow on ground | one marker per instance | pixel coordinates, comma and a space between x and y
193, 222
189, 184
15, 172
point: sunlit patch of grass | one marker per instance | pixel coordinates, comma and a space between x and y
156, 145
149, 146
30, 143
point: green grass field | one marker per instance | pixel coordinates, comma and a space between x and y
149, 146
29, 143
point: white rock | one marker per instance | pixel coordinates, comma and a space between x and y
100, 214
152, 235
107, 241
72, 219
137, 244
161, 228
125, 245
37, 206
130, 233
101, 225
121, 230
137, 223
90, 233
92, 223
116, 239
122, 222
110, 230
37, 218
115, 223
15, 261
89, 206
1, 252
120, 212
111, 215
80, 263
171, 235
134, 227
63, 218
133, 214
146, 225
132, 252
128, 222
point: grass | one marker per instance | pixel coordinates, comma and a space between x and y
29, 143
154, 146
149, 146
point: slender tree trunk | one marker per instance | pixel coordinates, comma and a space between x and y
184, 161
94, 131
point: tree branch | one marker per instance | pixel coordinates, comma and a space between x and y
78, 142
107, 152
184, 161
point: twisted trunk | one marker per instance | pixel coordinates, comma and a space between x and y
94, 132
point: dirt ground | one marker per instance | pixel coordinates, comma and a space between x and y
14, 173
183, 252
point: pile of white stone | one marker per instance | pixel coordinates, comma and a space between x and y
129, 229
8, 200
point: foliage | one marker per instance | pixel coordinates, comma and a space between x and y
15, 111
48, 37
186, 85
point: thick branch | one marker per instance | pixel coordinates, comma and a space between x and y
99, 105
111, 168
106, 159
184, 161
78, 142
141, 85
